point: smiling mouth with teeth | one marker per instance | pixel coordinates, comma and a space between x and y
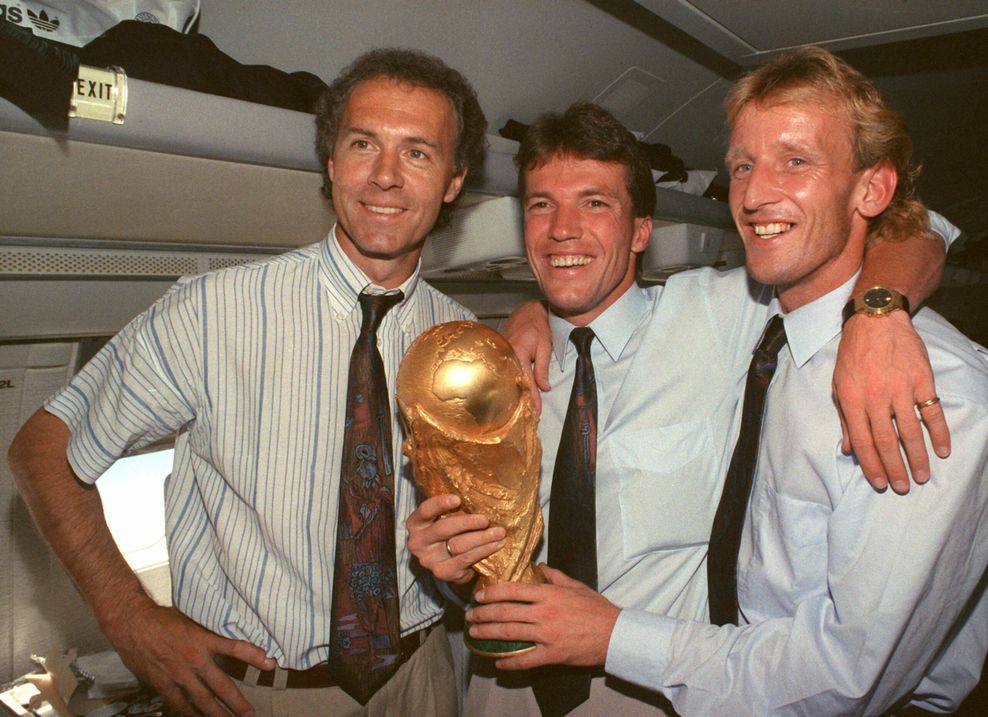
384, 210
566, 261
768, 230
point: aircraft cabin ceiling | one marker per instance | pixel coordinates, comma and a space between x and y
662, 66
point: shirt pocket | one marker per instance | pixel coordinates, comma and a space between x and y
789, 552
668, 485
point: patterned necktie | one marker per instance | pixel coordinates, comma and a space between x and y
365, 627
725, 536
573, 518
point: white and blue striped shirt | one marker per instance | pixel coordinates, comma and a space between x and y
249, 365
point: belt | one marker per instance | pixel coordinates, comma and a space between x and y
315, 677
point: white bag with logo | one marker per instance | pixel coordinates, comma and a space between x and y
78, 22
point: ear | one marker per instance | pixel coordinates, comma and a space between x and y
330, 169
642, 234
877, 189
454, 186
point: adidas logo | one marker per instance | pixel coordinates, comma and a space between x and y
42, 21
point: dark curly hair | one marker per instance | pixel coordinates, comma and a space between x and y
418, 69
588, 131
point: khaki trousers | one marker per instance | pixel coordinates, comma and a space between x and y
425, 685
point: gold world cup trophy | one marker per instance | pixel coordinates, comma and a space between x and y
471, 430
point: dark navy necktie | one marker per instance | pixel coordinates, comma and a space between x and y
725, 536
573, 518
365, 640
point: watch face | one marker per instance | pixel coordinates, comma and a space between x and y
877, 298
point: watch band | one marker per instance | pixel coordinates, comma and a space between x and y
847, 312
889, 299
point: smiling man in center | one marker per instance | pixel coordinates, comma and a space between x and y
668, 367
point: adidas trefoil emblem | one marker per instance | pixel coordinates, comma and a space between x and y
42, 21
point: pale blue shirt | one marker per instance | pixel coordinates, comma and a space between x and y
941, 226
852, 601
669, 364
249, 365
660, 423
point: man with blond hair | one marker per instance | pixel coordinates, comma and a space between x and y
839, 599
667, 362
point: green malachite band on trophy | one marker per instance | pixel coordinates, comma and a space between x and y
494, 648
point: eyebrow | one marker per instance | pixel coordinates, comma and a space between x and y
412, 139
800, 148
586, 192
732, 154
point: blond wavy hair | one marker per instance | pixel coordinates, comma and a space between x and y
811, 75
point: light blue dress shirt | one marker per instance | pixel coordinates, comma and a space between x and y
853, 601
669, 363
670, 366
249, 365
947, 231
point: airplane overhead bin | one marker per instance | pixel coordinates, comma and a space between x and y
487, 235
97, 221
173, 187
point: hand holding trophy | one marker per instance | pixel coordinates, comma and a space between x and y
471, 430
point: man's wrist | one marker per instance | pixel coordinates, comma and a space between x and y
456, 594
875, 301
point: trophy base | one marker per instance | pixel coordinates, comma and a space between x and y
503, 648
496, 648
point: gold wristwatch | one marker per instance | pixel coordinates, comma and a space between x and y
876, 301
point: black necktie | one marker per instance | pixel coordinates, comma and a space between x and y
365, 640
573, 518
725, 536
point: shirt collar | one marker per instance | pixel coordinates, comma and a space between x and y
345, 280
811, 327
613, 328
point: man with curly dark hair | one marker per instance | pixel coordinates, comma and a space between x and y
249, 367
412, 68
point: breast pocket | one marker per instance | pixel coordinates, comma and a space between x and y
668, 485
788, 538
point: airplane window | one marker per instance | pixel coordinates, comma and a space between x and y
133, 502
